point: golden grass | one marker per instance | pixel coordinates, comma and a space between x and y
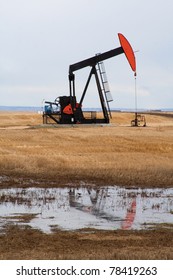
18, 119
113, 154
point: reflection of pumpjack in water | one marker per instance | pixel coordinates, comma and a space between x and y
97, 199
130, 216
94, 207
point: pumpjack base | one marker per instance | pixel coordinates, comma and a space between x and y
51, 118
65, 110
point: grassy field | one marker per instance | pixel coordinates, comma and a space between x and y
114, 154
117, 154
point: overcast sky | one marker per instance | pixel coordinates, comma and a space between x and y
39, 39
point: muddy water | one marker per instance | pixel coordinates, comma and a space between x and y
107, 208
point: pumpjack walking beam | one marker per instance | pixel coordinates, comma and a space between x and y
92, 61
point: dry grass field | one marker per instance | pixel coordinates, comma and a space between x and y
110, 154
117, 154
25, 243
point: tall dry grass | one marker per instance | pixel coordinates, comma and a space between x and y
113, 154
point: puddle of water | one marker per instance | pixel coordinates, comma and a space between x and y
106, 208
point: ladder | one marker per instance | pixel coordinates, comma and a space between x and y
105, 85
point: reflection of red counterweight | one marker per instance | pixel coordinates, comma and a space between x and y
129, 219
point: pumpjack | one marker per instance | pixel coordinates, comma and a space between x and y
66, 109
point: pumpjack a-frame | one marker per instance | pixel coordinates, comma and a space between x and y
66, 109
